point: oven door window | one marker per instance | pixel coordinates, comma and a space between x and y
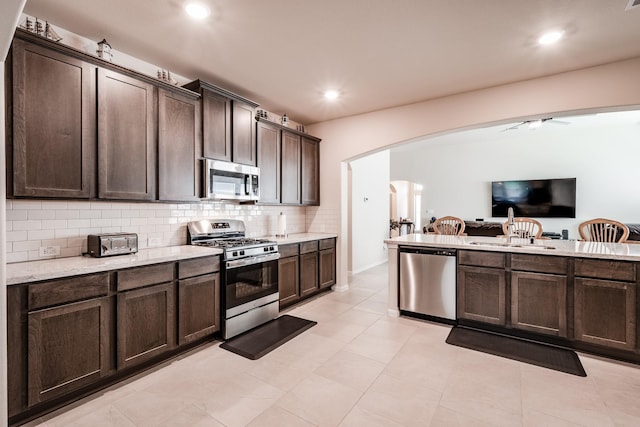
250, 282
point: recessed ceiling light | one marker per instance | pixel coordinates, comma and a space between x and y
550, 37
197, 10
331, 95
534, 124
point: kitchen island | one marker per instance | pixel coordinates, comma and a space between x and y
581, 295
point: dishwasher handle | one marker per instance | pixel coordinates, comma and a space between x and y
428, 251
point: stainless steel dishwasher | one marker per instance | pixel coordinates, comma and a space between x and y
428, 283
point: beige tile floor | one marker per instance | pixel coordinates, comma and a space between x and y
359, 367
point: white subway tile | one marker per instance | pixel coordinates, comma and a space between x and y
67, 214
72, 251
52, 224
29, 245
67, 232
79, 205
27, 225
100, 223
17, 257
80, 223
17, 215
100, 205
110, 230
27, 204
9, 225
112, 213
16, 236
40, 234
43, 214
90, 214
139, 221
63, 243
55, 205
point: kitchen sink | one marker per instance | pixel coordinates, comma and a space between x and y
511, 245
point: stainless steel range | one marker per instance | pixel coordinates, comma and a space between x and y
249, 276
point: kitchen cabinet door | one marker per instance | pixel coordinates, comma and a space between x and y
146, 323
327, 269
198, 307
481, 294
68, 347
288, 280
290, 191
52, 130
268, 140
539, 303
179, 147
308, 273
243, 131
216, 125
127, 134
605, 313
310, 172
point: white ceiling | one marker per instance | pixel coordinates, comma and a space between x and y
378, 53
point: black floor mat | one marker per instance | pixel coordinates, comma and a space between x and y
259, 341
547, 356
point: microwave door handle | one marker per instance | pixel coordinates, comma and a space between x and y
246, 184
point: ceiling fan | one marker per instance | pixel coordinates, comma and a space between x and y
534, 124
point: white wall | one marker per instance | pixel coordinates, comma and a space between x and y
602, 158
604, 87
370, 210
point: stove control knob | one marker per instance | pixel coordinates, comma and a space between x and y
265, 249
271, 248
235, 253
241, 252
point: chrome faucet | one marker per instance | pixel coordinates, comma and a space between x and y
510, 226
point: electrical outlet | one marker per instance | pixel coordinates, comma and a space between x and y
153, 241
49, 250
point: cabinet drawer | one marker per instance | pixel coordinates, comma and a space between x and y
482, 259
308, 247
143, 276
288, 250
67, 290
604, 269
327, 243
198, 266
539, 263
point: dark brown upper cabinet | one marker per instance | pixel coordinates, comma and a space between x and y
310, 171
179, 147
228, 131
291, 193
82, 127
127, 135
268, 138
51, 133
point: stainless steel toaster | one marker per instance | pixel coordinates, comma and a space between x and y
110, 244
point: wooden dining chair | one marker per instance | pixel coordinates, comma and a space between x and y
450, 225
603, 230
524, 227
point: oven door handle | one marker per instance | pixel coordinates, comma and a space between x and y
251, 260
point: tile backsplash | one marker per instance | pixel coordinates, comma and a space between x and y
32, 224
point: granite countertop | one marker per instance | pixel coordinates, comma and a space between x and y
34, 271
300, 237
572, 248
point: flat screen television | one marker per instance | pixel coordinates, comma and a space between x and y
537, 198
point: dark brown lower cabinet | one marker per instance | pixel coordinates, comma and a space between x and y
308, 273
327, 262
606, 313
481, 294
68, 347
539, 303
198, 307
146, 323
288, 279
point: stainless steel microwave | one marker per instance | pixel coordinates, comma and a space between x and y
231, 181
